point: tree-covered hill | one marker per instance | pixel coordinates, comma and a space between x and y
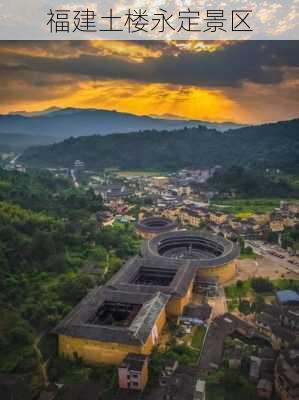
40, 191
17, 142
251, 183
267, 146
48, 240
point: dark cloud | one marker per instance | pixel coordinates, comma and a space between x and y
228, 66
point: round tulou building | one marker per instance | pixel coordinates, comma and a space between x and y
150, 227
212, 256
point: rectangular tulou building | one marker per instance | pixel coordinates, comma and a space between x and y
107, 325
127, 315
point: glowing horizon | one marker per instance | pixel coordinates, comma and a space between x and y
189, 80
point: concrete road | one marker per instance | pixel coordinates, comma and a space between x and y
75, 182
218, 304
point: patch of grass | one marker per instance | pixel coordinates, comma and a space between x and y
240, 290
247, 206
286, 284
198, 337
244, 214
247, 256
138, 173
232, 305
183, 354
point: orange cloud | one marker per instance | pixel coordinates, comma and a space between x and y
130, 50
67, 49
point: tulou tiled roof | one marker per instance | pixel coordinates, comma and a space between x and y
200, 248
156, 224
145, 320
77, 323
183, 275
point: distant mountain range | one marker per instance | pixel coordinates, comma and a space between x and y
266, 146
62, 123
36, 113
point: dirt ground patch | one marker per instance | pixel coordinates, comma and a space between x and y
263, 267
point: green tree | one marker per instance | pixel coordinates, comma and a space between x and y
72, 290
244, 307
261, 285
258, 304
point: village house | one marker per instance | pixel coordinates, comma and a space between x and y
218, 218
260, 219
287, 375
265, 323
281, 338
276, 226
145, 212
200, 390
172, 213
290, 319
184, 190
112, 192
287, 298
196, 314
133, 372
190, 217
292, 208
169, 369
104, 218
269, 322
264, 389
235, 358
254, 370
159, 181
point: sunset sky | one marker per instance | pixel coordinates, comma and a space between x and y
248, 82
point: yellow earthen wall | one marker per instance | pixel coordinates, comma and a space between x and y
224, 272
176, 305
95, 352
